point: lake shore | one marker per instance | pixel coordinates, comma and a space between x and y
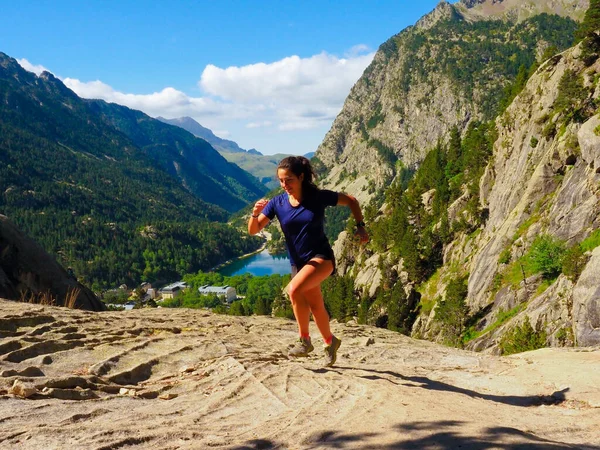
267, 237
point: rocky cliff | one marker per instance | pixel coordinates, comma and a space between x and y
521, 9
523, 234
543, 181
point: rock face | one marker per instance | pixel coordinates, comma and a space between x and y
521, 9
190, 379
586, 303
26, 270
539, 182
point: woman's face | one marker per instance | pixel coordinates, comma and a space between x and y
291, 183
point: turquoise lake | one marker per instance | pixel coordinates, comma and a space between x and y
258, 264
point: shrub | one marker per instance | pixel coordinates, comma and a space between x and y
545, 256
573, 262
505, 256
591, 242
533, 142
549, 131
522, 338
571, 92
564, 336
377, 117
220, 309
237, 309
503, 316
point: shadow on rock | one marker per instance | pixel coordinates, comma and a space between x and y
555, 398
258, 444
447, 435
442, 435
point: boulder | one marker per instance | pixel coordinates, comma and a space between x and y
27, 269
21, 389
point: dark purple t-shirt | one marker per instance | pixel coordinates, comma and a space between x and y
303, 225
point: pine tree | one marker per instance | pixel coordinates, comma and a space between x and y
454, 164
590, 27
396, 309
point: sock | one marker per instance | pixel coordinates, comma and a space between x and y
305, 336
329, 340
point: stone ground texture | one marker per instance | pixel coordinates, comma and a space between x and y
189, 379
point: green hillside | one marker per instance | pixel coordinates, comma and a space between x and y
112, 193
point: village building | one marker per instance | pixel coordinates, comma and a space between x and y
226, 292
172, 290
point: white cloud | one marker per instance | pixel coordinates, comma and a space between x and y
295, 93
266, 123
37, 69
325, 77
167, 103
292, 94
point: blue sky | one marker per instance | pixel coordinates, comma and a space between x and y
268, 74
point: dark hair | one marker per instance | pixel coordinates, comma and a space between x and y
300, 165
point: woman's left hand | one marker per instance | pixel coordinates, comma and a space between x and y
362, 234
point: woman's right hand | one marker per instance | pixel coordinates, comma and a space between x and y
259, 206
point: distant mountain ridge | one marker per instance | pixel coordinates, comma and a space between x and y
189, 124
519, 10
261, 166
202, 170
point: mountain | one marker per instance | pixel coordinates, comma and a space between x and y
222, 145
450, 69
261, 166
520, 10
108, 190
200, 169
486, 234
535, 259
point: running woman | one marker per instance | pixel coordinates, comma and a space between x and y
301, 213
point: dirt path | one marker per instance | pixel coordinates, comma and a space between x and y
188, 379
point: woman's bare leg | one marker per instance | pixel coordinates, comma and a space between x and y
305, 293
314, 297
301, 313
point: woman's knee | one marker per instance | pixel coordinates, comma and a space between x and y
295, 293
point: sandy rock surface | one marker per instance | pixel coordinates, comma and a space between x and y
188, 379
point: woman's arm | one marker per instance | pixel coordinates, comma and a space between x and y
350, 201
258, 220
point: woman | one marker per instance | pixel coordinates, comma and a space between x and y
301, 212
